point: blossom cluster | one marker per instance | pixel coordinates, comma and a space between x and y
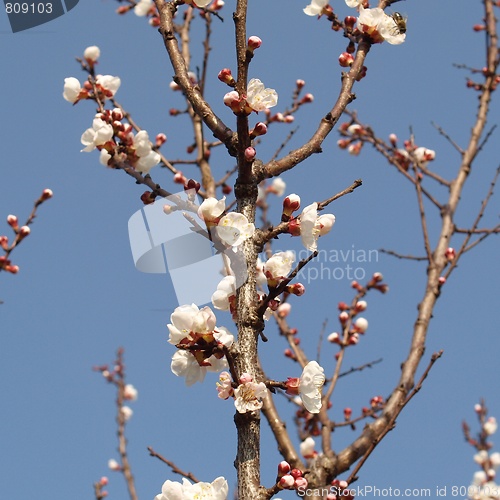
116, 141
374, 23
199, 341
257, 98
172, 490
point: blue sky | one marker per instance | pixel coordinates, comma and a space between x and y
78, 296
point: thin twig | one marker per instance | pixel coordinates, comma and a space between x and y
175, 469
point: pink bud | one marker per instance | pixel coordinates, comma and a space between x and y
442, 280
292, 386
24, 231
346, 59
334, 338
347, 413
361, 305
290, 204
393, 138
12, 221
307, 98
234, 101
245, 378
161, 138
343, 317
179, 178
254, 42
284, 309
296, 473
283, 468
225, 76
300, 482
297, 289
250, 153
46, 194
479, 27
104, 481
286, 482
300, 83
259, 129
350, 21
450, 253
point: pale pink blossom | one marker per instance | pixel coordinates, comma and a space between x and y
130, 392
249, 396
379, 26
224, 387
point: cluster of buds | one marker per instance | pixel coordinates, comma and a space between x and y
142, 8
374, 283
483, 482
127, 392
355, 327
99, 486
354, 136
339, 489
290, 479
99, 89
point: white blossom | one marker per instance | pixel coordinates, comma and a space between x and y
490, 426
108, 82
184, 364
312, 226
258, 97
315, 7
379, 26
188, 320
310, 384
202, 3
226, 291
72, 89
100, 133
279, 265
233, 229
172, 490
211, 210
278, 186
307, 447
92, 53
143, 7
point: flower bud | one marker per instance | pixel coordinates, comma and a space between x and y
343, 317
24, 231
307, 98
179, 178
300, 482
250, 153
300, 84
284, 309
234, 101
334, 338
91, 54
347, 413
12, 221
225, 76
292, 386
254, 42
297, 289
259, 129
346, 59
296, 473
283, 468
450, 253
290, 204
160, 139
361, 305
286, 482
361, 325
46, 194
